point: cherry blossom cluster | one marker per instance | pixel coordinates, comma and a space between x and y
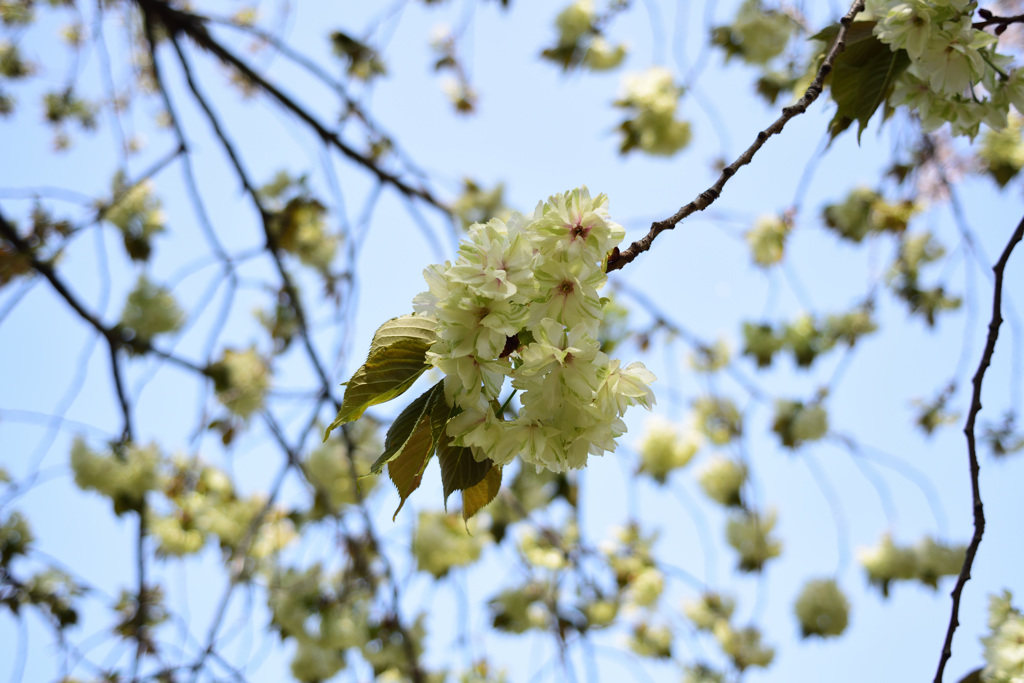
521, 302
955, 74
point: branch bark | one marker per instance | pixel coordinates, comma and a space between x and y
972, 450
706, 198
178, 22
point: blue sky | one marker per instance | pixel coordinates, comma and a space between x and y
540, 132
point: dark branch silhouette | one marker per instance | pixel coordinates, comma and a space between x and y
706, 198
972, 451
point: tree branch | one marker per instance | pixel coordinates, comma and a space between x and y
1001, 23
194, 26
972, 452
707, 197
271, 239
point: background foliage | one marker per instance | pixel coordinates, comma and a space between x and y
208, 209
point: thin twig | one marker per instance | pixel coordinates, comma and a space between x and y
114, 340
972, 452
708, 196
271, 240
194, 26
1001, 23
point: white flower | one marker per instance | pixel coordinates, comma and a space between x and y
908, 25
579, 226
568, 294
628, 386
467, 378
425, 303
538, 443
493, 262
951, 59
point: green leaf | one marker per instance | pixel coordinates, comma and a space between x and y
410, 326
862, 76
406, 470
858, 31
972, 677
439, 417
415, 419
397, 358
459, 469
480, 494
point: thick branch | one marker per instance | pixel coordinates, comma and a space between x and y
972, 451
708, 196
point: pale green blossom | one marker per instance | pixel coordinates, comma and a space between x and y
822, 609
743, 646
651, 640
718, 419
521, 302
124, 477
762, 35
1004, 647
936, 559
150, 310
767, 239
334, 476
710, 608
646, 587
907, 25
722, 480
442, 541
575, 21
577, 225
663, 449
951, 60
241, 379
701, 673
652, 97
749, 533
540, 550
711, 358
602, 55
600, 613
887, 562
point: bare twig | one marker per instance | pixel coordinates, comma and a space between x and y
271, 245
1001, 23
194, 26
972, 452
253, 192
708, 196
